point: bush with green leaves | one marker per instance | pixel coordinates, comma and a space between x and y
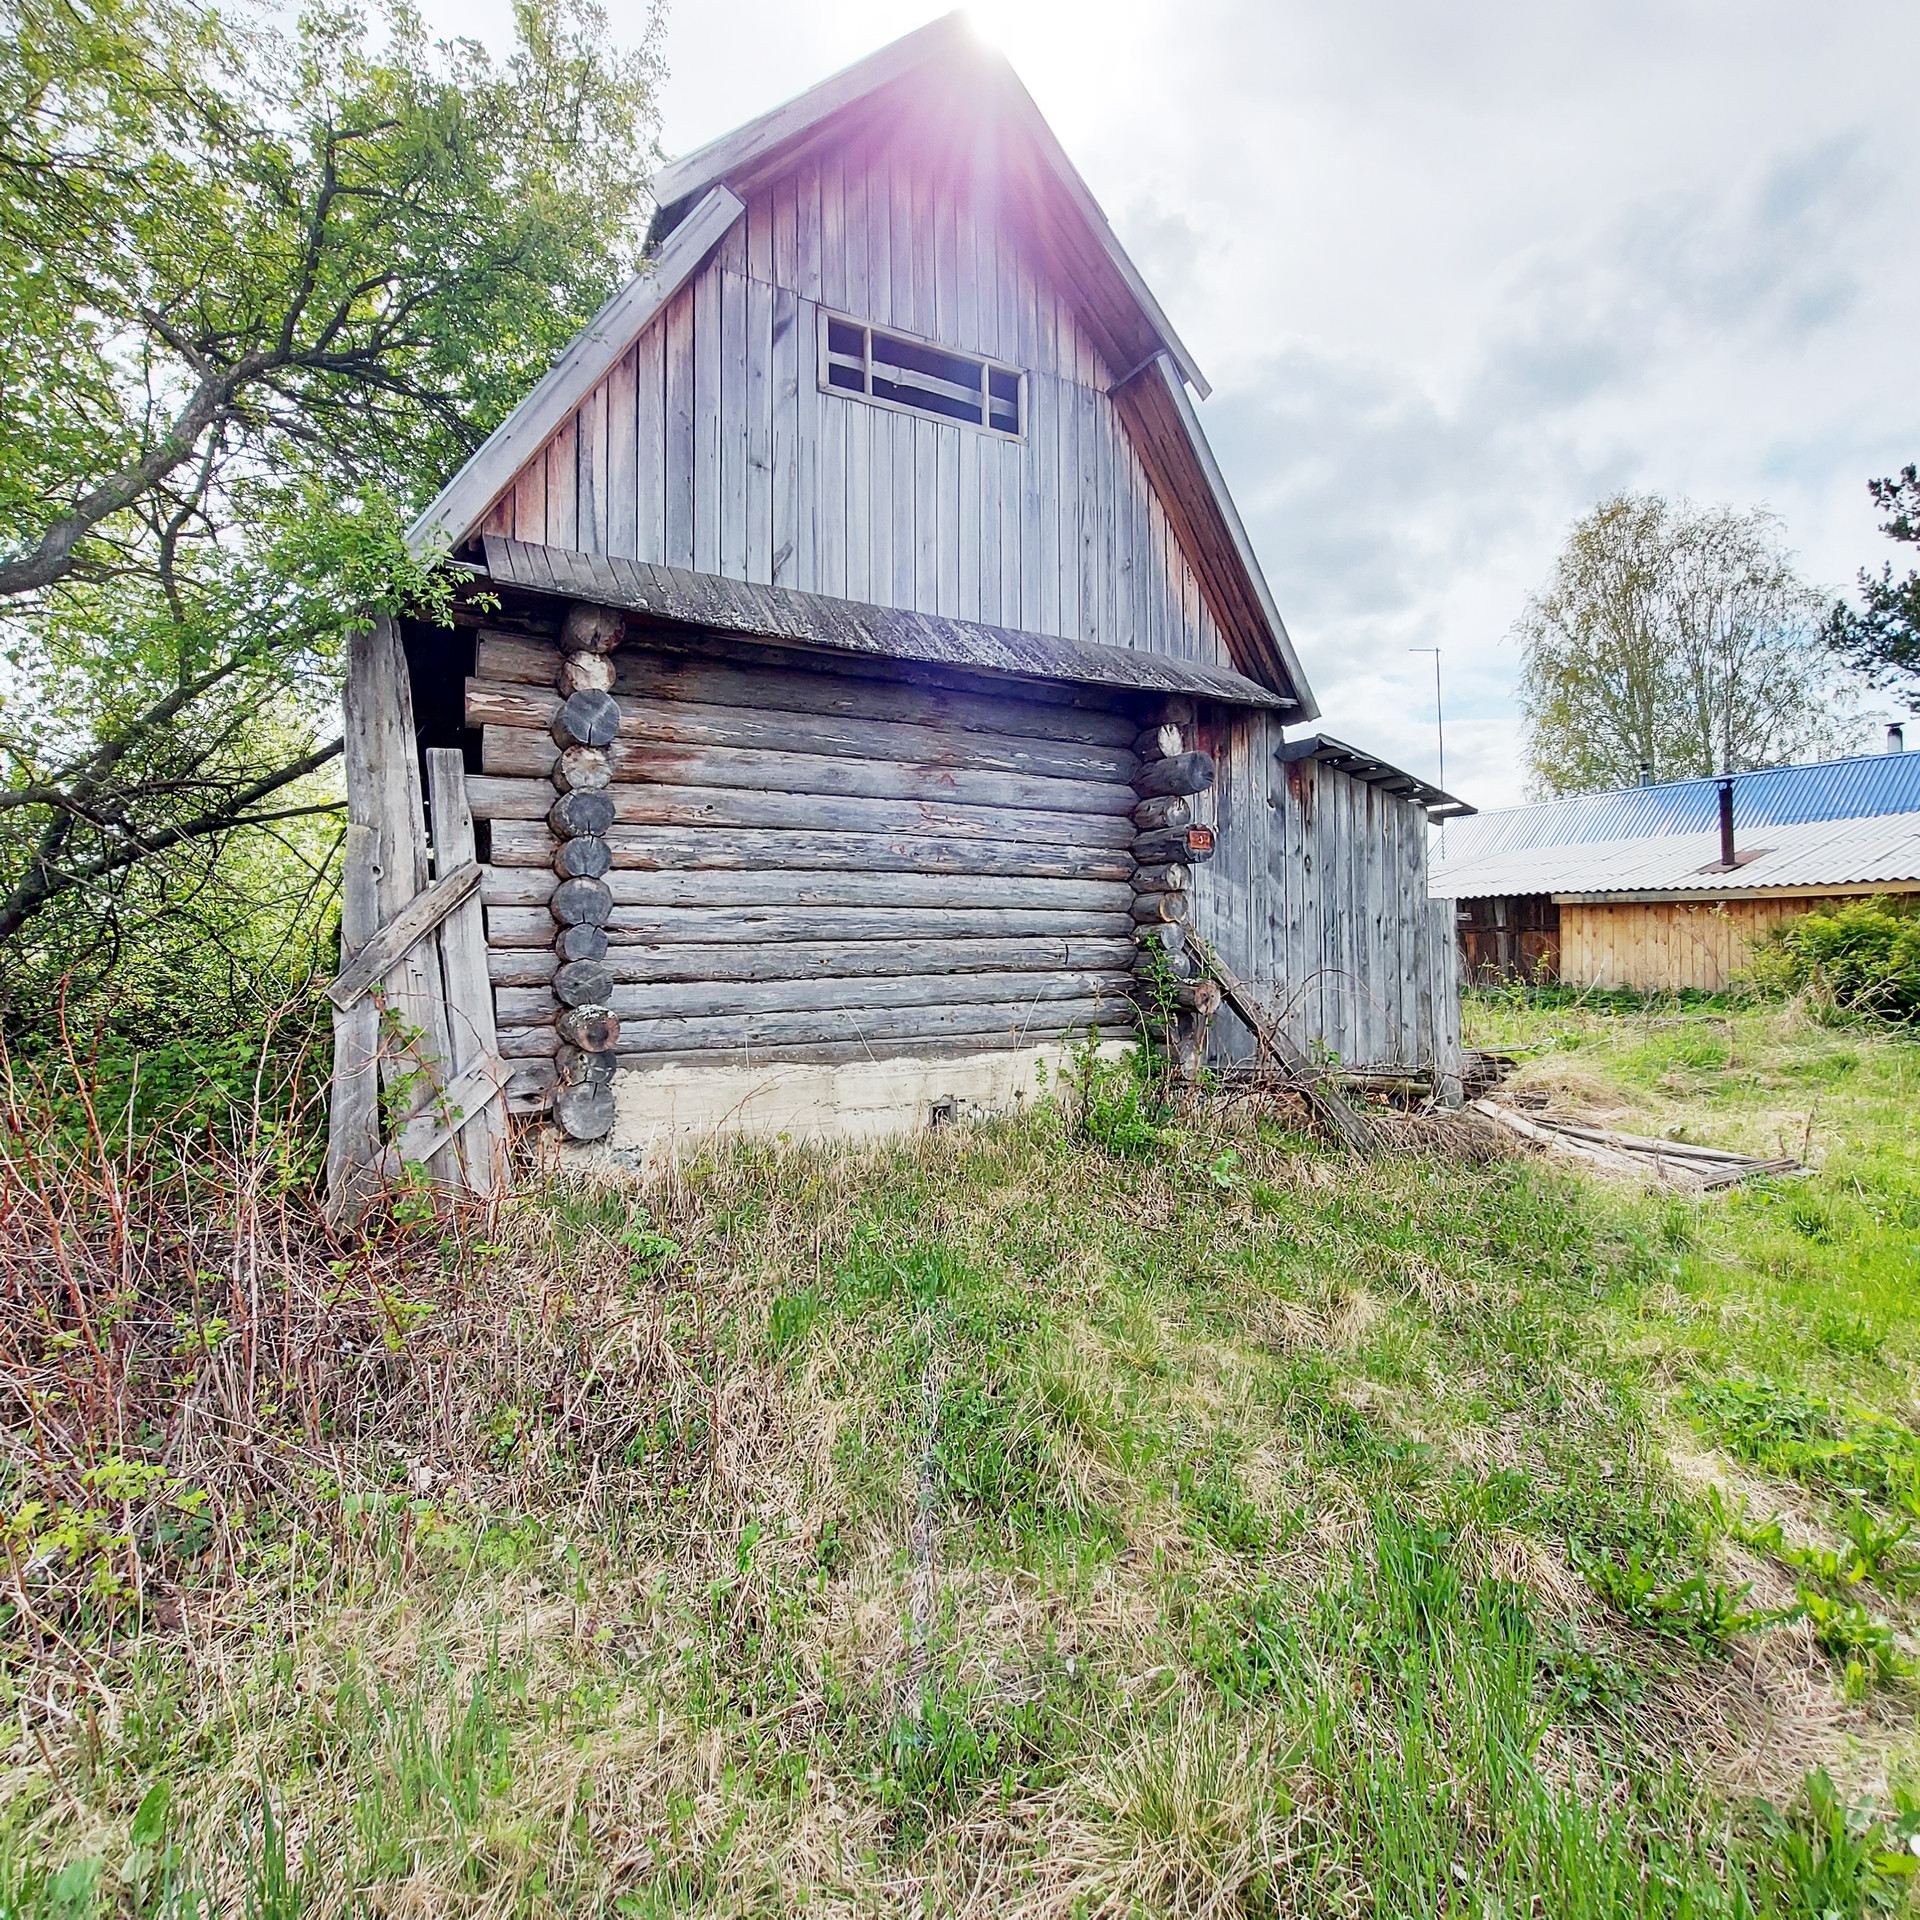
1860, 958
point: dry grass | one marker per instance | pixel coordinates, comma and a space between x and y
609, 1546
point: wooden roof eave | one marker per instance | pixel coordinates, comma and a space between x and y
464, 502
1167, 433
786, 616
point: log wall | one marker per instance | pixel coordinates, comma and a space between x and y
712, 446
813, 864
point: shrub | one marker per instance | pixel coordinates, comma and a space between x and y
1863, 957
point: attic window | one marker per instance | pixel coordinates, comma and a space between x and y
895, 370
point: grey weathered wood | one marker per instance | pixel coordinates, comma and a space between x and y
464, 1110
1173, 877
655, 924
528, 756
481, 1143
1169, 810
397, 939
383, 793
1152, 907
585, 719
584, 1112
1179, 773
674, 924
580, 902
463, 502
807, 679
570, 816
516, 839
494, 704
526, 843
751, 999
582, 983
583, 858
1014, 1025
353, 1118
1192, 846
528, 1043
758, 959
507, 888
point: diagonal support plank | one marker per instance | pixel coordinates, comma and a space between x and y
401, 935
430, 1129
1332, 1112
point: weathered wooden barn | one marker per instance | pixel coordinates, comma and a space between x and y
1666, 888
862, 666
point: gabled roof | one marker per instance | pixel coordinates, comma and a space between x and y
941, 68
1834, 823
783, 616
945, 62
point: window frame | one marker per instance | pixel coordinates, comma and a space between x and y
867, 329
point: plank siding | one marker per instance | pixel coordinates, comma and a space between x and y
1663, 946
1317, 898
710, 445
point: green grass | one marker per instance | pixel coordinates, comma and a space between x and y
996, 1524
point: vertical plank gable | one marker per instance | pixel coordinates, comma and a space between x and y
712, 445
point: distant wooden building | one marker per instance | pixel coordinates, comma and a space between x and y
1667, 887
864, 668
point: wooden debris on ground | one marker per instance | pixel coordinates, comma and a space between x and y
1672, 1163
1288, 1066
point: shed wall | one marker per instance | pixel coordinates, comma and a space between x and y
710, 445
1665, 946
1318, 898
812, 863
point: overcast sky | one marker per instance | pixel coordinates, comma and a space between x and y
1456, 271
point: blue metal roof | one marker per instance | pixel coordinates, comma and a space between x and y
1863, 788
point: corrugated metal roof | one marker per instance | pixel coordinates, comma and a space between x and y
1883, 850
785, 615
1864, 788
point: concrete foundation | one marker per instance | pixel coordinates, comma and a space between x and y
662, 1108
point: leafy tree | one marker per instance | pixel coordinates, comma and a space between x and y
261, 290
1674, 641
1882, 640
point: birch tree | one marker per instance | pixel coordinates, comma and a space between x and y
1671, 642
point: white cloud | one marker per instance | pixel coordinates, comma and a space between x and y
1457, 271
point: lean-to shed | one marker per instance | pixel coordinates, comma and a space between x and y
864, 669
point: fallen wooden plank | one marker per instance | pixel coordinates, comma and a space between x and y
1332, 1112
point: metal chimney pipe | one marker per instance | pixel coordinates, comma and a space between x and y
1726, 825
1896, 738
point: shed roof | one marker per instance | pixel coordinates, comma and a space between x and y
1857, 788
1833, 823
782, 616
1802, 856
1375, 772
